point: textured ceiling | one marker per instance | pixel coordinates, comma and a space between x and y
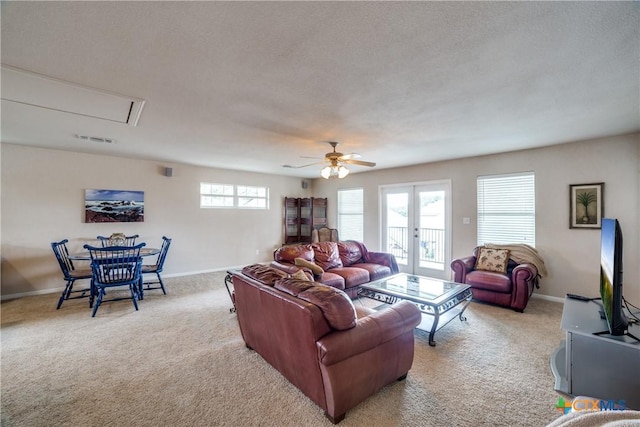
255, 85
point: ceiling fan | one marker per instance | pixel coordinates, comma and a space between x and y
336, 160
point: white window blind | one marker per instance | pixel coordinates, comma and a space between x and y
507, 209
351, 214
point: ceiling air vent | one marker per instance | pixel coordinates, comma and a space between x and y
96, 139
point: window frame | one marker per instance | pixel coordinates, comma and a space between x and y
234, 196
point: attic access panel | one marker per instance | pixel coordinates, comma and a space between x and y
41, 91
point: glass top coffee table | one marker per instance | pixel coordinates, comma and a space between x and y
438, 300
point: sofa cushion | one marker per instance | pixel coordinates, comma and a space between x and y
326, 255
263, 273
489, 280
376, 271
332, 279
315, 268
352, 276
334, 304
293, 286
291, 252
492, 260
350, 252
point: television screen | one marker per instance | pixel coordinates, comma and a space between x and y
611, 276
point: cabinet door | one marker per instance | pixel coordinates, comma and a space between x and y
305, 220
291, 220
319, 212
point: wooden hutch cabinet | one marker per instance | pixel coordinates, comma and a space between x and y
301, 216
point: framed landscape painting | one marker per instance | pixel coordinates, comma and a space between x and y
587, 205
113, 206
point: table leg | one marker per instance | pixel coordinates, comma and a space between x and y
434, 328
461, 316
228, 280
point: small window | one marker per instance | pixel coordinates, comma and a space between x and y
507, 209
253, 197
351, 214
232, 196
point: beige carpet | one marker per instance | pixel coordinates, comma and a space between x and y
180, 361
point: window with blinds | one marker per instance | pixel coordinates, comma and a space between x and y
507, 209
351, 214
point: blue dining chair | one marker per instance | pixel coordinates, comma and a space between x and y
115, 266
156, 268
70, 273
107, 241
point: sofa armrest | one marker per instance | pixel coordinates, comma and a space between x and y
461, 267
383, 258
370, 332
524, 278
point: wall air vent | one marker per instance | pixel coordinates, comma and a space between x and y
42, 91
96, 139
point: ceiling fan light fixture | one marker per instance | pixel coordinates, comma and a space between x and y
334, 171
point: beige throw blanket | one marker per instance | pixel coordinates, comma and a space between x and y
598, 419
522, 253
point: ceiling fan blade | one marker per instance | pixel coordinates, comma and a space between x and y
350, 156
360, 162
309, 157
303, 166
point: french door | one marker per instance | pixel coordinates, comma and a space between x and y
416, 228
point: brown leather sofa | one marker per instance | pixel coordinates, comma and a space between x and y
344, 265
335, 352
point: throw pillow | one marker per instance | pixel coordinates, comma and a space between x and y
495, 260
300, 275
315, 269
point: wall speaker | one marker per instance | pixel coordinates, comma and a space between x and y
305, 184
168, 171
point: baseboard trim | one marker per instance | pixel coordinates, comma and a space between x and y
547, 297
192, 273
59, 290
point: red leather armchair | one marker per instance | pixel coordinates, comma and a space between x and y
512, 289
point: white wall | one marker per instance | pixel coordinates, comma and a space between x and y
572, 256
43, 194
43, 201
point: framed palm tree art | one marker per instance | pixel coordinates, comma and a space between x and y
586, 205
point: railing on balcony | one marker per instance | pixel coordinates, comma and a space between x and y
431, 244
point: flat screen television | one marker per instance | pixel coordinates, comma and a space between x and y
611, 276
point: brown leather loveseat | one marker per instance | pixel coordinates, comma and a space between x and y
344, 265
313, 334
